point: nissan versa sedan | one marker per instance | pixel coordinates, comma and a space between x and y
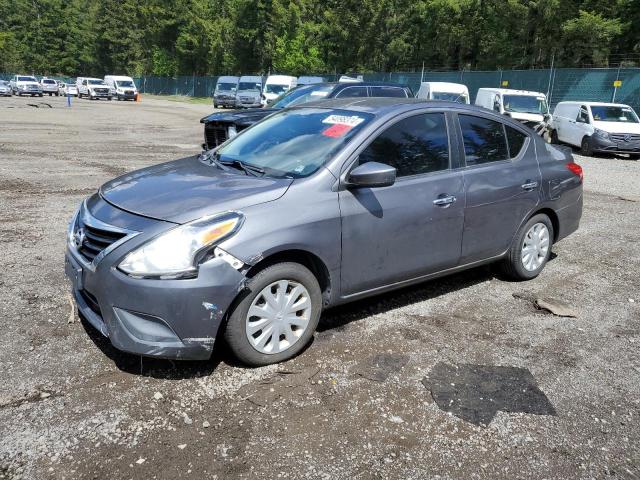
314, 206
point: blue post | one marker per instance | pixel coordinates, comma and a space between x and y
68, 100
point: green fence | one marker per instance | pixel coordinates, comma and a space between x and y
560, 84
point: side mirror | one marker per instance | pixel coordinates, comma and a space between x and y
263, 96
371, 175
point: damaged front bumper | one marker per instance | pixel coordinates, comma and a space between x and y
177, 319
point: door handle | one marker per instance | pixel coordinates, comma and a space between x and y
529, 185
444, 201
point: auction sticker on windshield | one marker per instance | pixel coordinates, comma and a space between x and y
340, 124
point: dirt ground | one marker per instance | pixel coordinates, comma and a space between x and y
456, 378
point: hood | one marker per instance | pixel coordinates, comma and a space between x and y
243, 117
618, 127
187, 189
527, 117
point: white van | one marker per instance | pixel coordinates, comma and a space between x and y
453, 92
276, 85
224, 94
597, 127
93, 88
124, 87
527, 107
249, 93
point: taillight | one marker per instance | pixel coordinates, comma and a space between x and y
575, 169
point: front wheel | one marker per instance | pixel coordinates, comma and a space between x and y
554, 137
586, 148
530, 250
276, 316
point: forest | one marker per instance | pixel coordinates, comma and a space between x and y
213, 37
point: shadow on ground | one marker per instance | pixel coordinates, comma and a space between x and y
475, 393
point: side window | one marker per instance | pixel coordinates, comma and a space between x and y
516, 140
583, 115
388, 92
352, 92
414, 145
484, 140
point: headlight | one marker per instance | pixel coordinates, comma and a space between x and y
177, 252
601, 133
231, 131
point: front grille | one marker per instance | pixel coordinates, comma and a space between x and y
215, 134
101, 90
625, 137
95, 240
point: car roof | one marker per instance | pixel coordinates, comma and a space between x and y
594, 104
511, 91
382, 105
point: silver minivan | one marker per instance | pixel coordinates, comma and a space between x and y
224, 94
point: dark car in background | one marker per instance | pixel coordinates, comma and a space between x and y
317, 205
220, 126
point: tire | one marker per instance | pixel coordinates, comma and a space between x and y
586, 148
40, 94
235, 333
513, 264
554, 137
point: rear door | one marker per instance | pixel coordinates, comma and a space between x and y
413, 227
502, 183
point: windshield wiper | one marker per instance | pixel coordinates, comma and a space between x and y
212, 158
247, 168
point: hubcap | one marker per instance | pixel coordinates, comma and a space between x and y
535, 247
278, 316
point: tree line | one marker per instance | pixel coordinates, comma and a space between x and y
213, 37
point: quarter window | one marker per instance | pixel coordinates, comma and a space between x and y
516, 141
414, 145
484, 140
352, 92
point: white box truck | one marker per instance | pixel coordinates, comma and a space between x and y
276, 85
452, 92
527, 107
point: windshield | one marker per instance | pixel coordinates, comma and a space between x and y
302, 95
249, 86
274, 88
614, 114
294, 143
26, 79
125, 83
525, 104
95, 82
226, 87
450, 97
48, 81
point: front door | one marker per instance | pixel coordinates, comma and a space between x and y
413, 227
502, 181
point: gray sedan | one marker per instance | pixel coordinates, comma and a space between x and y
313, 207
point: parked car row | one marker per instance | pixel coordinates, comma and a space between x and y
112, 86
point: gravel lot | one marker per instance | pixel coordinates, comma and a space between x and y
457, 378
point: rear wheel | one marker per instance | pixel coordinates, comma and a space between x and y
586, 148
277, 315
530, 250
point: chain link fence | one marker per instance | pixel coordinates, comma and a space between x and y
559, 83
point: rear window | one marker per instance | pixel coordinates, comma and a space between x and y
353, 92
49, 82
484, 140
26, 79
388, 92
